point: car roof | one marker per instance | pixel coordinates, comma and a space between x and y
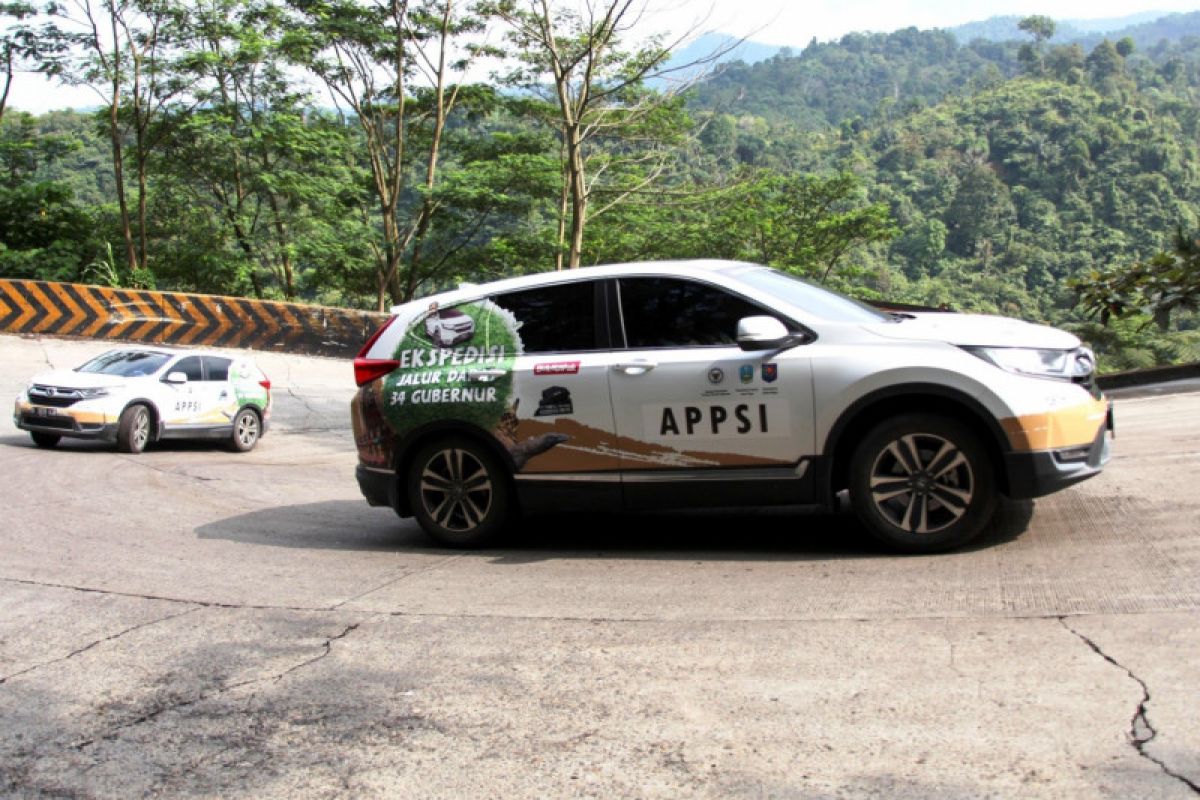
683, 269
171, 351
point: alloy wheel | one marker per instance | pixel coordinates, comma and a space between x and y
922, 483
456, 490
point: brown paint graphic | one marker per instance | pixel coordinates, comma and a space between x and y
581, 448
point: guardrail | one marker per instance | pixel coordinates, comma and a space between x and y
99, 312
176, 318
1143, 377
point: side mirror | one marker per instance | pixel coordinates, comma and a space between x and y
176, 377
763, 333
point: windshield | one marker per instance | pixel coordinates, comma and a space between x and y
810, 298
127, 363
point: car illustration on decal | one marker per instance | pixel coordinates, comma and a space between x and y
604, 388
448, 328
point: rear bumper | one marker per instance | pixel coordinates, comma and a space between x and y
1036, 474
379, 487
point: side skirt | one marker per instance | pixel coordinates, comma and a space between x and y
666, 489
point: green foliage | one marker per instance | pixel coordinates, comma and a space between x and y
1159, 287
1027, 178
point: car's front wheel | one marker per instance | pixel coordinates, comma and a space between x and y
44, 439
246, 430
133, 431
459, 492
922, 483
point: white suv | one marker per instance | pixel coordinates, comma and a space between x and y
711, 383
136, 395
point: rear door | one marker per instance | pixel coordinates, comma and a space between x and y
561, 422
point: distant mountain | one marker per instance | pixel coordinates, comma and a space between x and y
1147, 27
707, 53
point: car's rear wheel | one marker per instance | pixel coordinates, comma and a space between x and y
922, 483
133, 431
246, 430
44, 439
459, 492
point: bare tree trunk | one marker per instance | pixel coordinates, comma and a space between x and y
281, 240
577, 179
8, 79
114, 131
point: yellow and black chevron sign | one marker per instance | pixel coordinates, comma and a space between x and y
100, 312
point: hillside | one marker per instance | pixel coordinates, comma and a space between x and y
1008, 174
1004, 28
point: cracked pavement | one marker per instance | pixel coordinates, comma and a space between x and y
197, 622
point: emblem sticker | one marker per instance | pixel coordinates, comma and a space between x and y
557, 368
746, 373
556, 400
716, 375
770, 372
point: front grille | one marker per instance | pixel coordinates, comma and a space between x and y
53, 396
63, 423
56, 402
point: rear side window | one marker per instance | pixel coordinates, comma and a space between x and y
217, 368
554, 319
190, 366
671, 312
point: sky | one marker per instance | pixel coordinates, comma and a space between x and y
774, 22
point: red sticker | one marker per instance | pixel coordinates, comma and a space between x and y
557, 368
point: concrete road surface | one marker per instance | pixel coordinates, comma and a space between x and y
195, 622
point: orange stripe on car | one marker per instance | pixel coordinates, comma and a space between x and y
1066, 427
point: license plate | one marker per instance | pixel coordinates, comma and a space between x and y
42, 411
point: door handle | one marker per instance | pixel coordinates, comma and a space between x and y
635, 367
485, 375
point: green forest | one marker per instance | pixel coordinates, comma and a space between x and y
363, 154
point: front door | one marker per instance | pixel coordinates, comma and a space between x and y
691, 406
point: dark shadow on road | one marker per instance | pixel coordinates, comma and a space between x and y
72, 445
757, 534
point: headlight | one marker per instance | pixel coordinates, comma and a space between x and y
91, 394
1062, 364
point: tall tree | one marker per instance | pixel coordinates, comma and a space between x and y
29, 42
592, 83
249, 149
369, 55
125, 60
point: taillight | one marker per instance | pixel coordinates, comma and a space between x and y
265, 383
368, 369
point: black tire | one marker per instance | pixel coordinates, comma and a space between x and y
922, 483
134, 429
459, 492
46, 440
247, 429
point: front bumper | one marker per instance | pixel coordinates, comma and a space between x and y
64, 422
1036, 474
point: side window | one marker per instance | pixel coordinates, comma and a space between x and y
554, 319
217, 368
189, 366
671, 312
